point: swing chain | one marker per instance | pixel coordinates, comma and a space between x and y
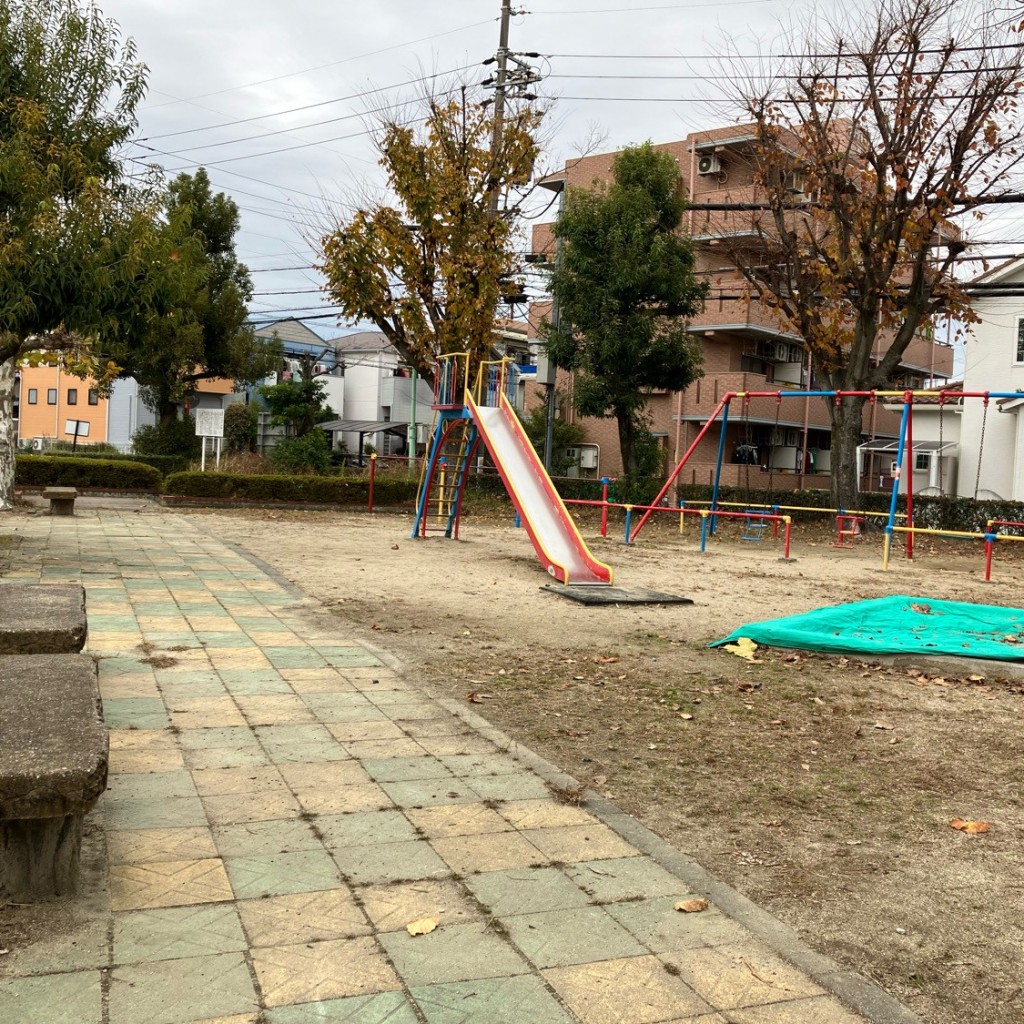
981, 447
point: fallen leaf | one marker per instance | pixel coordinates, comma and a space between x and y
924, 609
686, 717
885, 726
477, 698
424, 926
601, 660
806, 767
748, 687
743, 648
972, 828
694, 906
976, 679
600, 780
394, 547
818, 700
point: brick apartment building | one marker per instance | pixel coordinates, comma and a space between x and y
745, 346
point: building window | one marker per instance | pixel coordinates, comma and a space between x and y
33, 396
922, 460
51, 396
72, 396
94, 398
1020, 341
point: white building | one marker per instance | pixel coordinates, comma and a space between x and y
992, 442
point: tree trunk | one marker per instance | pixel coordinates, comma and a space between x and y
847, 420
627, 442
7, 435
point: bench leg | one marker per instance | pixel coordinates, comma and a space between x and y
39, 857
62, 506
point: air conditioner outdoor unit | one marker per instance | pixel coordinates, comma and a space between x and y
792, 437
709, 164
780, 352
320, 368
588, 458
37, 444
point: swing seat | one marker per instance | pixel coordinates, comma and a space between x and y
754, 525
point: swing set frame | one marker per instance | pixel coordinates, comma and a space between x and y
907, 398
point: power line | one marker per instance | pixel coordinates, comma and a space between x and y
308, 106
321, 67
662, 7
779, 56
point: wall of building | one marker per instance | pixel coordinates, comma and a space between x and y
70, 401
991, 364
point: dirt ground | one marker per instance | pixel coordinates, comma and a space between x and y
821, 787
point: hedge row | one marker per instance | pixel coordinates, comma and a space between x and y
325, 490
166, 464
108, 474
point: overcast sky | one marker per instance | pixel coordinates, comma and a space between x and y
255, 61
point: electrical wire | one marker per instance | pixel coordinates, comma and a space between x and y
295, 110
331, 64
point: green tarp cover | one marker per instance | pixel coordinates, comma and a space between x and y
897, 625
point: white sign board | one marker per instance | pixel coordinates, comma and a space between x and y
76, 428
209, 422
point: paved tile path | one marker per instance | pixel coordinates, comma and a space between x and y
282, 805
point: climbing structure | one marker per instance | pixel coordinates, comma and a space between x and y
463, 419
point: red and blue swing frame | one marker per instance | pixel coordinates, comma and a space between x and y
905, 440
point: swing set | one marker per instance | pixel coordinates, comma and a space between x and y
905, 443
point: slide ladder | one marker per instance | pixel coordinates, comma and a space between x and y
463, 421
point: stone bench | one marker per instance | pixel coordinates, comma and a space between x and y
53, 769
47, 619
62, 500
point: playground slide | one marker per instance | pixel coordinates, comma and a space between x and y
558, 543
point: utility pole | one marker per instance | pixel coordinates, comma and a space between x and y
499, 92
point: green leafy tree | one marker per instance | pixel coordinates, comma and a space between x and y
430, 270
240, 428
625, 286
310, 453
197, 328
77, 251
298, 403
564, 435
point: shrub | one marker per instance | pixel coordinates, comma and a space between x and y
240, 428
164, 463
110, 474
325, 490
175, 437
310, 453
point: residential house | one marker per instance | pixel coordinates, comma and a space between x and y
745, 346
992, 456
53, 405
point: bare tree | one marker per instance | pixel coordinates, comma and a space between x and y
869, 146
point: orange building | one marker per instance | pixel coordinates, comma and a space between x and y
49, 402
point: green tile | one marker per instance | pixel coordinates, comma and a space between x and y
491, 1000
300, 753
178, 812
662, 928
175, 932
470, 765
257, 684
364, 828
278, 735
431, 792
458, 952
561, 937
76, 947
405, 769
386, 1008
294, 657
357, 659
53, 998
179, 676
389, 862
161, 608
525, 891
627, 878
112, 623
173, 991
118, 666
224, 639
135, 713
510, 787
173, 688
151, 786
281, 873
265, 838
